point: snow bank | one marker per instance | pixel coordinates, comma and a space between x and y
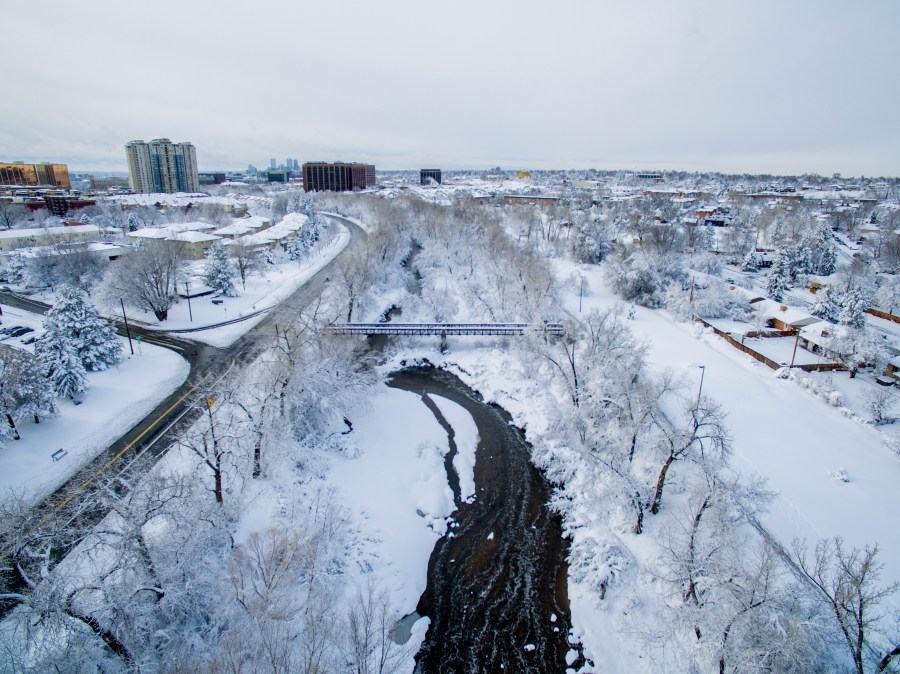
466, 437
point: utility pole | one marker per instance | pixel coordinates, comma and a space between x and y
190, 313
796, 342
127, 329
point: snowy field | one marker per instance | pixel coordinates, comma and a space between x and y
780, 431
115, 400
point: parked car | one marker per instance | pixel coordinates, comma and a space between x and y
19, 331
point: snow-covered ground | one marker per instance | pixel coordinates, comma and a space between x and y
780, 431
114, 401
263, 292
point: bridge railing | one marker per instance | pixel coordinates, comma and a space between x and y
445, 329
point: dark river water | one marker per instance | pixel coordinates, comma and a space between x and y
496, 594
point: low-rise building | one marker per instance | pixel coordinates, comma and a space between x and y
337, 177
427, 175
14, 239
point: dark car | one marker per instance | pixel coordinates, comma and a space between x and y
19, 331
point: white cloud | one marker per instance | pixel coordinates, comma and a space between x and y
762, 87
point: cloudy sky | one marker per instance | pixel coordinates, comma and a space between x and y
751, 86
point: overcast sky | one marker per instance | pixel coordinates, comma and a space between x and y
760, 87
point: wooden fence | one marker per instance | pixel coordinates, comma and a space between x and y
810, 367
883, 314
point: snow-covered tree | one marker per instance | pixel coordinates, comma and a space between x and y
62, 366
779, 279
634, 279
797, 261
823, 256
147, 278
853, 308
75, 320
24, 392
246, 259
847, 582
11, 214
590, 240
219, 273
888, 295
16, 269
751, 261
716, 300
297, 247
827, 305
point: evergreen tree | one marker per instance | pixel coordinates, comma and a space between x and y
297, 247
853, 308
751, 262
268, 256
220, 272
823, 257
779, 278
16, 269
796, 262
827, 305
75, 320
25, 391
61, 366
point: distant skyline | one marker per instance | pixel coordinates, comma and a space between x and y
762, 87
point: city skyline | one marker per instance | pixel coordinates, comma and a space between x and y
761, 88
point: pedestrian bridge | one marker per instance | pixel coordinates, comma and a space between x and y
446, 329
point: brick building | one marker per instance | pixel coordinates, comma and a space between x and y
337, 177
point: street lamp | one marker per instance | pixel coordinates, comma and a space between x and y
700, 390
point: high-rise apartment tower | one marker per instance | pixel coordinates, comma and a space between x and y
162, 166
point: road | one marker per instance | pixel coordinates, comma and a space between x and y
141, 446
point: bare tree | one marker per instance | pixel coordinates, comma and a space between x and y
353, 275
847, 581
246, 259
703, 437
146, 279
369, 648
11, 214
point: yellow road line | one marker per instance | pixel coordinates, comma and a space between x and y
130, 444
165, 344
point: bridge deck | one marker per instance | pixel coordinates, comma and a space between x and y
511, 329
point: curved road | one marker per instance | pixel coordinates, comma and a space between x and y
144, 443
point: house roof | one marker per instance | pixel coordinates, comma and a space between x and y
790, 315
195, 237
51, 231
819, 332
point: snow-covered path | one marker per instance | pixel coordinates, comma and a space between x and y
781, 432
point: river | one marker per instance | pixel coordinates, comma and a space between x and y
497, 592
